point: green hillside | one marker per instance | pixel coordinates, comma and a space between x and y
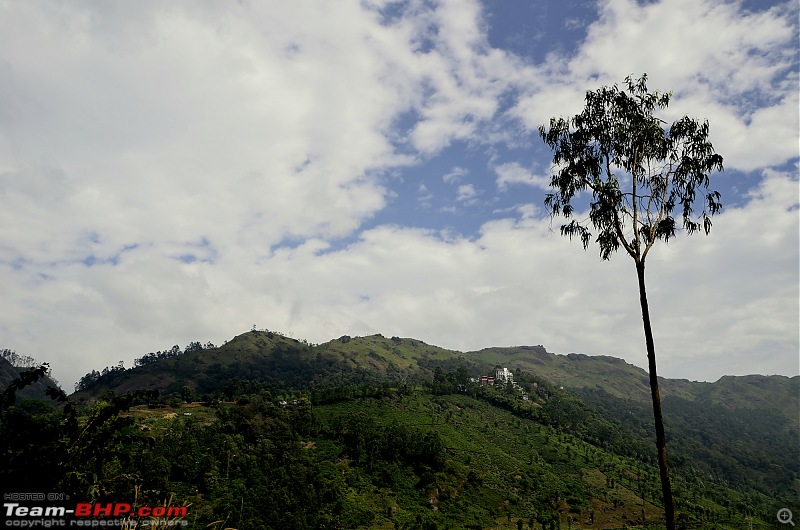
273, 358
383, 354
267, 431
576, 370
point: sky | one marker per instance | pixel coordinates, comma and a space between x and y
183, 171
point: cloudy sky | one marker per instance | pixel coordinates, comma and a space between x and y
181, 171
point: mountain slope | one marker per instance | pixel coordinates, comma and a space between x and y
273, 358
576, 370
573, 440
9, 373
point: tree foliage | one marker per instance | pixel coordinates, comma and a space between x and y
616, 144
16, 360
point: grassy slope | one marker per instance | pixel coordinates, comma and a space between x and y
378, 352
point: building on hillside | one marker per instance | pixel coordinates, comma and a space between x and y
504, 374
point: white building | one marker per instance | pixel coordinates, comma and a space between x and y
503, 374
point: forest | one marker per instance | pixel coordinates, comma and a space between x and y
315, 442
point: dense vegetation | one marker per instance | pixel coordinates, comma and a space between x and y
324, 443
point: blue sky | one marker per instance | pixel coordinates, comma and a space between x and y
179, 172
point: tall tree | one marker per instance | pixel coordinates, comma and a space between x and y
616, 143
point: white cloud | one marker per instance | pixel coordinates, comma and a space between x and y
716, 301
455, 175
268, 127
712, 55
464, 76
179, 172
142, 131
512, 173
746, 300
767, 136
424, 196
467, 194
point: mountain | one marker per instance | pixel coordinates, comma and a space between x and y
268, 356
621, 379
274, 358
35, 391
576, 370
377, 432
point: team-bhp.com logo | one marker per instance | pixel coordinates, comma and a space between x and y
91, 514
121, 509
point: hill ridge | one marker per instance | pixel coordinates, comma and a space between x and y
274, 357
594, 408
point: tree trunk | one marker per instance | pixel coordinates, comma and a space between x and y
661, 441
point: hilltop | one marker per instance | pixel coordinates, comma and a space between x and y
270, 357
